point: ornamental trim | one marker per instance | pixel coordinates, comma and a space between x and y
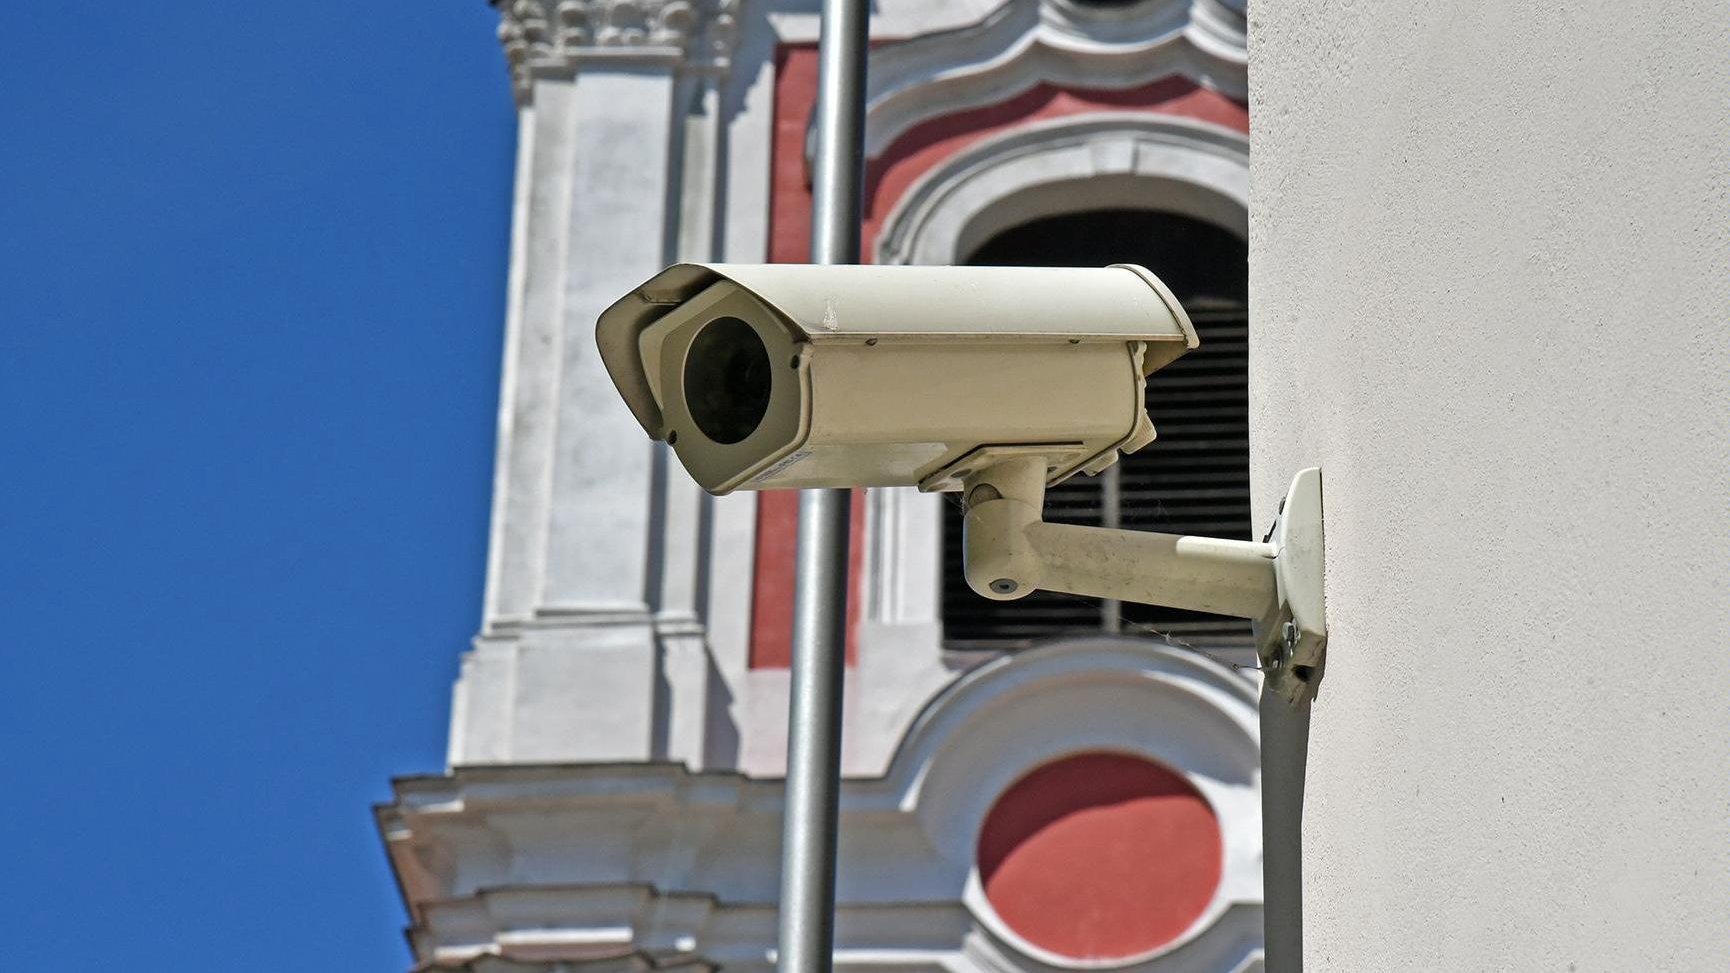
556, 37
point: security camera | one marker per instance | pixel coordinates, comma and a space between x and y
994, 381
776, 376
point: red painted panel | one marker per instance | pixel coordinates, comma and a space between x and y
778, 510
1100, 856
772, 587
790, 177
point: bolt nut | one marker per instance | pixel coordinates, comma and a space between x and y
983, 493
1282, 653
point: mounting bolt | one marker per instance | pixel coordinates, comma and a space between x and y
1004, 586
983, 493
1287, 645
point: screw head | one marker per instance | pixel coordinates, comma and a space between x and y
983, 493
1004, 586
1287, 644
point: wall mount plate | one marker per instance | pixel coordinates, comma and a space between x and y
1292, 640
1061, 459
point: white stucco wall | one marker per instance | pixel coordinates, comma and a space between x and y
1490, 287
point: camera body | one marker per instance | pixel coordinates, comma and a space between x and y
788, 376
996, 381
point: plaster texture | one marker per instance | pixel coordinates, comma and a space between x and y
1491, 300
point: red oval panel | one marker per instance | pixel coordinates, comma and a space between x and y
1100, 856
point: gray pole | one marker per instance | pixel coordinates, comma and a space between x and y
1285, 734
808, 835
838, 174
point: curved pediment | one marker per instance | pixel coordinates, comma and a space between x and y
1097, 160
1065, 43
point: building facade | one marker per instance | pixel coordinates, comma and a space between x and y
1490, 265
1051, 784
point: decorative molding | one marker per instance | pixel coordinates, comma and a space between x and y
585, 863
1222, 28
1021, 45
556, 37
1091, 160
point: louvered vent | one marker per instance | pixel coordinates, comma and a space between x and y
1194, 479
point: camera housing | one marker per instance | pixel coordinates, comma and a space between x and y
997, 381
787, 376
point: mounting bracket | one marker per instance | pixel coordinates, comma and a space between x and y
1292, 640
1277, 582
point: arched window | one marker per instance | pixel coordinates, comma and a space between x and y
1194, 479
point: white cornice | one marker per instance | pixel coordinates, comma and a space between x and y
585, 862
555, 38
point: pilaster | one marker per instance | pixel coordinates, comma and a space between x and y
901, 663
592, 629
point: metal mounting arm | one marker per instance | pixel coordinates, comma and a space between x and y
1011, 552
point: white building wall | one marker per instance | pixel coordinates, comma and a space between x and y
1491, 298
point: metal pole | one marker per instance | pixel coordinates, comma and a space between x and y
838, 173
1111, 518
1285, 734
808, 836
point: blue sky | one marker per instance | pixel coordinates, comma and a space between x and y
252, 259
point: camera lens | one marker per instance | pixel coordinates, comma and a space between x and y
727, 380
